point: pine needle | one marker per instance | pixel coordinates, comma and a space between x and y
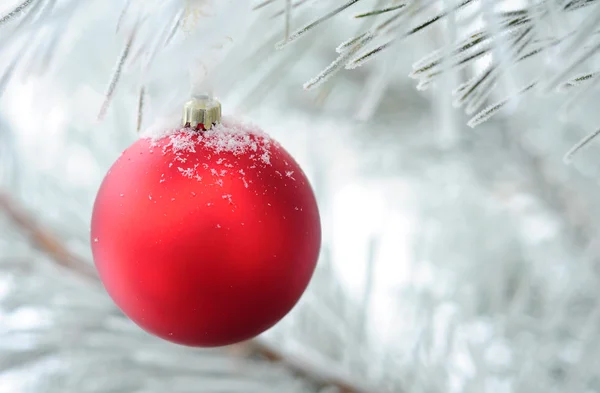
140, 111
17, 11
337, 65
492, 110
294, 6
174, 28
371, 54
288, 18
380, 11
573, 64
568, 158
303, 30
262, 4
116, 76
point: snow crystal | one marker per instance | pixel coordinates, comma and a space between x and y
190, 173
232, 136
266, 157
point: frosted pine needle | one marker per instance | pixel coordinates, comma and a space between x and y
300, 32
294, 6
337, 65
140, 111
380, 11
572, 65
262, 4
17, 11
568, 158
116, 76
288, 18
492, 110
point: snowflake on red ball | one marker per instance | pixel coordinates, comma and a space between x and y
205, 236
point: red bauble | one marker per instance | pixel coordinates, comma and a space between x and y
206, 238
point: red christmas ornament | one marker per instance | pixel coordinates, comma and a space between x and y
206, 237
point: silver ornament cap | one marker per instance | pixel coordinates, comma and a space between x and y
201, 110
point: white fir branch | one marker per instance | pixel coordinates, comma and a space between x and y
466, 90
455, 63
481, 86
462, 50
481, 94
374, 32
485, 89
508, 327
370, 55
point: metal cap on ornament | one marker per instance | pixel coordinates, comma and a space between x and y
201, 111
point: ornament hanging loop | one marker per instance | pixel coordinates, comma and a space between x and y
201, 111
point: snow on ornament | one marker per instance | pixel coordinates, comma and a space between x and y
207, 234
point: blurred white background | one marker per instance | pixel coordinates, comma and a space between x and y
455, 259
